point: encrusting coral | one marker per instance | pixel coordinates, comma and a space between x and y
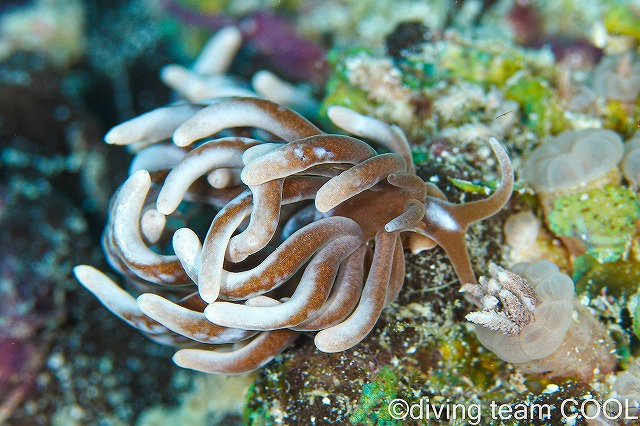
618, 78
529, 318
631, 161
308, 236
574, 161
602, 219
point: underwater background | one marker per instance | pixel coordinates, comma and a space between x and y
450, 74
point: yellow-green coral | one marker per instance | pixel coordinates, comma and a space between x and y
623, 19
480, 65
541, 108
339, 89
620, 277
603, 218
617, 117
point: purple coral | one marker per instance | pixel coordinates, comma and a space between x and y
270, 38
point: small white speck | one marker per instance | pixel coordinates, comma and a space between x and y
326, 401
55, 361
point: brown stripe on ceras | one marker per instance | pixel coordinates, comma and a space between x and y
189, 323
344, 294
359, 178
296, 126
211, 250
263, 222
267, 348
294, 189
252, 356
169, 272
139, 284
355, 328
325, 270
250, 112
308, 297
284, 262
302, 154
396, 280
144, 323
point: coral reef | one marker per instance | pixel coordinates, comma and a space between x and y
602, 218
450, 75
574, 161
631, 161
53, 28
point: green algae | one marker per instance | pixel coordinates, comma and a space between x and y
636, 322
540, 105
465, 361
419, 157
619, 278
256, 416
340, 91
484, 187
623, 19
482, 63
480, 66
602, 218
372, 407
618, 118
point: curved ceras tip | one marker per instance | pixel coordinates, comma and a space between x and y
245, 112
152, 224
252, 356
303, 154
220, 153
308, 298
188, 323
154, 126
195, 87
504, 191
357, 179
359, 324
224, 178
128, 241
259, 150
115, 299
390, 137
263, 222
188, 249
218, 53
268, 85
157, 157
